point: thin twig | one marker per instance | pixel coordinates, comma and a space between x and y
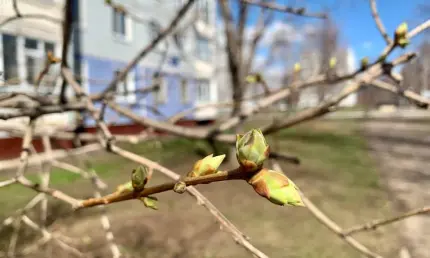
382, 222
330, 224
378, 22
286, 9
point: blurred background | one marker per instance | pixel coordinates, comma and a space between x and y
367, 160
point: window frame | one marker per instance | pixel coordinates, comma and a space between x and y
203, 51
184, 89
203, 7
160, 96
130, 84
127, 36
22, 53
201, 98
37, 54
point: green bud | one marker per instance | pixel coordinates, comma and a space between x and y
150, 202
402, 30
276, 187
251, 78
297, 67
180, 187
139, 177
126, 187
403, 42
206, 166
251, 149
382, 58
400, 36
364, 63
332, 62
258, 77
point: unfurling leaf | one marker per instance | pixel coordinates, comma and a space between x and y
402, 30
180, 187
251, 149
276, 187
126, 187
139, 177
206, 166
149, 202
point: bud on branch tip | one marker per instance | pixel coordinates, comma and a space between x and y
251, 150
139, 178
276, 187
400, 36
206, 166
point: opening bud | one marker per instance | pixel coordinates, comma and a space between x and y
251, 149
276, 187
206, 166
139, 177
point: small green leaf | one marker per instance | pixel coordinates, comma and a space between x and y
126, 187
149, 202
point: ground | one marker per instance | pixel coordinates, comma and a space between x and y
337, 173
402, 149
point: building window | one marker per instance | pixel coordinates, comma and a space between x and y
161, 93
184, 91
125, 89
202, 49
10, 58
121, 25
203, 10
49, 47
32, 52
33, 56
203, 91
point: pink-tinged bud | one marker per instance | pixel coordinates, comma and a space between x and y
251, 150
276, 187
206, 166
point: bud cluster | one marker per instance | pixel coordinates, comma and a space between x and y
251, 152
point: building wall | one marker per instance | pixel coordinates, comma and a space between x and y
102, 51
43, 31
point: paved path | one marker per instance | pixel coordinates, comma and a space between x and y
403, 154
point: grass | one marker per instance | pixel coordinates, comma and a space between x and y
336, 173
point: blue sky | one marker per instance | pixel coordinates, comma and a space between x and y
354, 20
